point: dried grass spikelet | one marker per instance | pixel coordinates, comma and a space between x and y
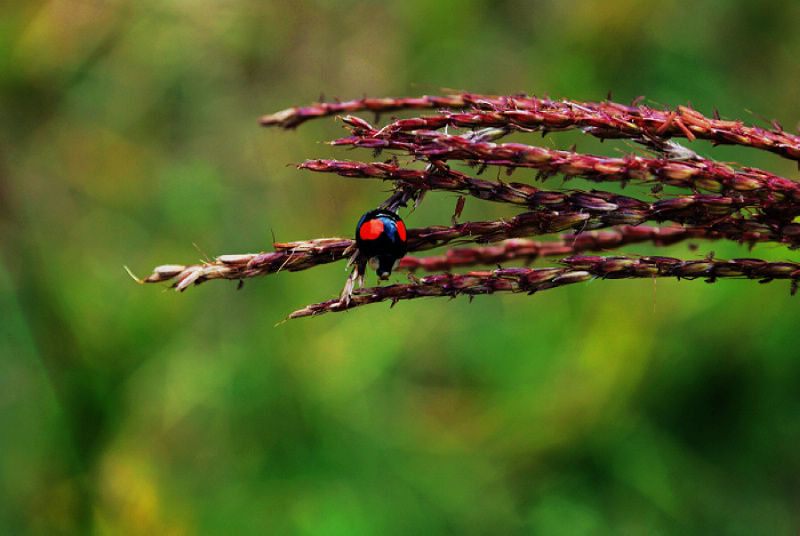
714, 200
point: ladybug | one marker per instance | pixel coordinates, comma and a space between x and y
381, 238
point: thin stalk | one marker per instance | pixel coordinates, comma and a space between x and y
752, 188
696, 173
302, 255
599, 119
526, 250
577, 270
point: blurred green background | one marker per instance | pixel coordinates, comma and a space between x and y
128, 133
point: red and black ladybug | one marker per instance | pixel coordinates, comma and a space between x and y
381, 238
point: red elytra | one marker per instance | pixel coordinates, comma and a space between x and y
401, 230
372, 229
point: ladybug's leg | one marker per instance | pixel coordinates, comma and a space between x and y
353, 258
356, 276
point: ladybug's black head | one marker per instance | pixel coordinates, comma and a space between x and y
383, 265
381, 238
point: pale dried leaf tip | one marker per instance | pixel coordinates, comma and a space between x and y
236, 259
189, 279
169, 270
